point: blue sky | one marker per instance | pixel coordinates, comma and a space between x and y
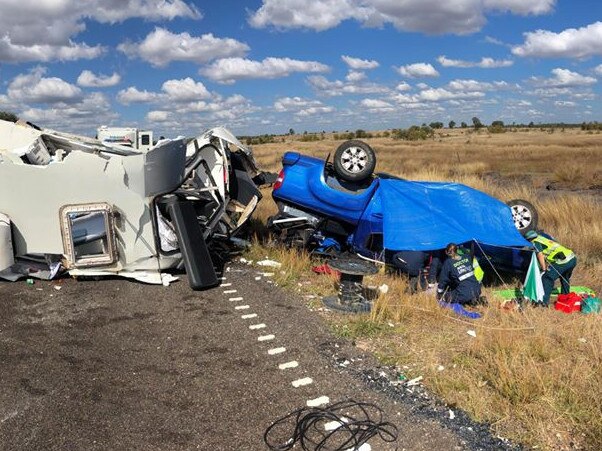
265, 66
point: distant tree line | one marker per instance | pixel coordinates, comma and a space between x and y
591, 126
414, 133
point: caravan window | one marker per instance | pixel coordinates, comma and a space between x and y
88, 235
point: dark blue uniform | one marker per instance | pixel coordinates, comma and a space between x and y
412, 263
457, 282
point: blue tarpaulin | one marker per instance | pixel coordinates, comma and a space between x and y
429, 215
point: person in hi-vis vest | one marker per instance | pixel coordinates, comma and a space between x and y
556, 261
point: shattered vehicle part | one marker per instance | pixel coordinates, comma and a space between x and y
105, 210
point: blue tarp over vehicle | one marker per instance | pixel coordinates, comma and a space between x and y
429, 215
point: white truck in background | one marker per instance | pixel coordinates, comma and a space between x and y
135, 138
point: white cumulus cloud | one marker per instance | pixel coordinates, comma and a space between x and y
229, 70
427, 16
185, 90
287, 104
157, 116
44, 30
570, 43
359, 64
377, 105
89, 79
134, 95
351, 85
598, 69
564, 78
474, 85
172, 91
79, 117
21, 53
522, 7
160, 47
565, 103
355, 76
440, 94
33, 87
418, 70
403, 86
484, 63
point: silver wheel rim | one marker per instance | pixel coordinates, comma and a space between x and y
354, 159
522, 216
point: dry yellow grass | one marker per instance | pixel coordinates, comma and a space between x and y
536, 376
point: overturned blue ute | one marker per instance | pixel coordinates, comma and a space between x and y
345, 204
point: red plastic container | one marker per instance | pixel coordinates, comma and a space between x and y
568, 303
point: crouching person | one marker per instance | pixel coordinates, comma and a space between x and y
457, 281
556, 261
412, 263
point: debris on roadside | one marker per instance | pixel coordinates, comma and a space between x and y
414, 381
269, 263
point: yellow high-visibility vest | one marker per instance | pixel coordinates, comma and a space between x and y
478, 271
550, 249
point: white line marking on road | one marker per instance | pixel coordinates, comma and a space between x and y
319, 402
241, 307
287, 365
235, 299
275, 351
257, 326
226, 285
301, 382
266, 337
249, 316
332, 425
221, 278
230, 291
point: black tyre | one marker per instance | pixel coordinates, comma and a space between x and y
354, 161
524, 215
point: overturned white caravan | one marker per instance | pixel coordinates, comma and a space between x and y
71, 203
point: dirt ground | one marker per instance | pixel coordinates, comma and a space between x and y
114, 364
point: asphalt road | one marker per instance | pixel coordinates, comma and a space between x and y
118, 365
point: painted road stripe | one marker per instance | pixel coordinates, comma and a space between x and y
332, 425
257, 326
287, 365
241, 307
275, 351
301, 382
235, 299
229, 291
249, 316
266, 337
226, 285
320, 402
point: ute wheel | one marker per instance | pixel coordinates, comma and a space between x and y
354, 161
524, 215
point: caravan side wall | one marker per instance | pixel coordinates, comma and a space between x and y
7, 257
